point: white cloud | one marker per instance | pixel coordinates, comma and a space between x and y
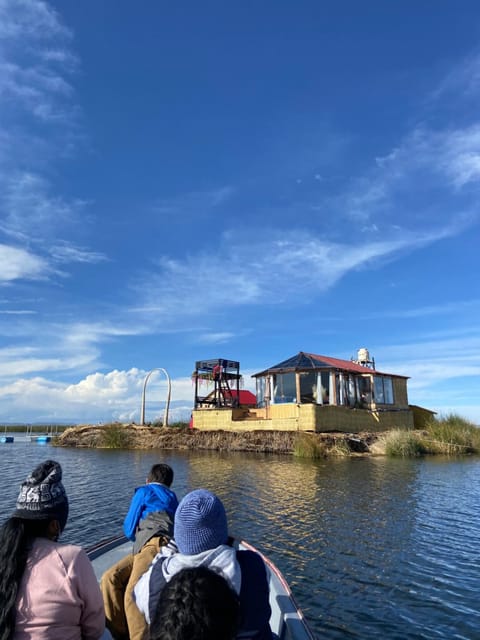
29, 19
30, 208
16, 264
107, 388
33, 73
38, 121
453, 154
99, 397
53, 347
68, 252
17, 312
51, 356
460, 83
427, 166
257, 272
219, 337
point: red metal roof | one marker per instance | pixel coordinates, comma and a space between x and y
338, 363
246, 397
304, 361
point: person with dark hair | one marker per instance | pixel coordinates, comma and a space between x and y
47, 590
149, 524
201, 539
197, 604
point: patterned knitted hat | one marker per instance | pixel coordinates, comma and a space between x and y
200, 523
42, 495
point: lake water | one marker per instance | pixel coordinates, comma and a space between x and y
372, 547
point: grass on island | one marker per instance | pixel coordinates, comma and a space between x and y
307, 446
310, 445
450, 435
114, 436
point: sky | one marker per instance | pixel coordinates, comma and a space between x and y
182, 181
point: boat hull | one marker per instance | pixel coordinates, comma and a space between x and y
287, 620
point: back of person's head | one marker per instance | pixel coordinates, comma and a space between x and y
162, 473
42, 496
41, 503
197, 604
200, 523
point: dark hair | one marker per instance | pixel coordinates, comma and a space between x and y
16, 538
162, 473
197, 604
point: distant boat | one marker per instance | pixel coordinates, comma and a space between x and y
5, 439
41, 439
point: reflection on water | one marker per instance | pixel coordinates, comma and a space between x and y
373, 548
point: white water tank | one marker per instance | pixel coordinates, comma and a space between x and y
363, 355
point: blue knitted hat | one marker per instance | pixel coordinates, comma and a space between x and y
200, 523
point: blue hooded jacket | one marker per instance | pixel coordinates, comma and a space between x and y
147, 499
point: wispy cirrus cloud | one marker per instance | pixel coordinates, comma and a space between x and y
34, 60
17, 312
432, 175
255, 273
451, 154
68, 252
38, 344
31, 209
433, 361
39, 120
428, 166
22, 18
460, 83
219, 337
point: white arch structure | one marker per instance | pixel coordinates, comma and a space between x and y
167, 404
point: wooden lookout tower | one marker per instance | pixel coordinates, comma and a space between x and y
225, 376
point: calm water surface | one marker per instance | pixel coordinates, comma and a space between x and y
372, 548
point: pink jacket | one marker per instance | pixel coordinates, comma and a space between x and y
59, 597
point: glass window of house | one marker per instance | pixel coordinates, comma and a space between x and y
365, 389
285, 388
388, 390
340, 382
261, 392
378, 390
308, 386
325, 387
351, 393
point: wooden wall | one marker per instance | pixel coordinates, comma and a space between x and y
303, 417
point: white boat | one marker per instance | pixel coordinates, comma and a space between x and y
287, 620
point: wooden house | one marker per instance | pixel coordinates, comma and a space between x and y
307, 378
310, 392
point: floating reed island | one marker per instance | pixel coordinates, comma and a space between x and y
451, 435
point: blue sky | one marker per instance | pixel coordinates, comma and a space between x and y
184, 181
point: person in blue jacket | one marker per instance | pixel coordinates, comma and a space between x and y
149, 524
201, 540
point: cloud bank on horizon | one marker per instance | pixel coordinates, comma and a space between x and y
228, 185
